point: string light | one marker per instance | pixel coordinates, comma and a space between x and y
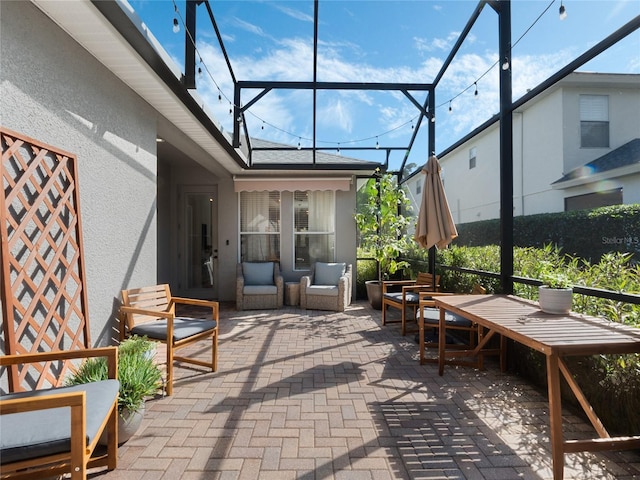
562, 11
299, 146
505, 66
176, 25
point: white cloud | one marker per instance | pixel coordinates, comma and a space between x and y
297, 14
336, 114
249, 27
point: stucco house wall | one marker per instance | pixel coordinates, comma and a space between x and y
546, 146
53, 91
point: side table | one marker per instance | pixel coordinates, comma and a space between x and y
292, 293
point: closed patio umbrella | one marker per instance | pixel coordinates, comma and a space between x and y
435, 225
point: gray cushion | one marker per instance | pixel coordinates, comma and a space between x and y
328, 273
322, 290
260, 290
411, 298
182, 328
432, 316
258, 273
46, 432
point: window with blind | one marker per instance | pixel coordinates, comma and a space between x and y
594, 121
259, 226
314, 228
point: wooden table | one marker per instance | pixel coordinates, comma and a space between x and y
557, 337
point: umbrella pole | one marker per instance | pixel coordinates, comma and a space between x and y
432, 261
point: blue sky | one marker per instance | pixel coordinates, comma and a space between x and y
384, 41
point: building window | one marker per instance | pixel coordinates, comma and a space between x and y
259, 226
314, 228
472, 158
594, 121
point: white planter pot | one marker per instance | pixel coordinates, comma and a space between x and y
128, 424
556, 301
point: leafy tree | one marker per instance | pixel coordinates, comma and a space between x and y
383, 216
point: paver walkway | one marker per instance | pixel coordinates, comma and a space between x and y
324, 395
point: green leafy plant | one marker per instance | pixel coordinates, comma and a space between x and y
382, 217
138, 374
556, 280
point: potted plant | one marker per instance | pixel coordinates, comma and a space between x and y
382, 222
139, 378
555, 295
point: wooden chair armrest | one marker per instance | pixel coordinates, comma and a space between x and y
43, 402
418, 288
151, 313
111, 353
426, 297
395, 283
194, 301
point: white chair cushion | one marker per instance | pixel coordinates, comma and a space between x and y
258, 273
260, 290
323, 290
328, 273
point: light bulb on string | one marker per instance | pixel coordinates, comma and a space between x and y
299, 146
262, 127
562, 11
476, 91
505, 64
176, 26
230, 109
338, 149
450, 109
377, 144
219, 97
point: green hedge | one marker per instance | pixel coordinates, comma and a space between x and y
583, 233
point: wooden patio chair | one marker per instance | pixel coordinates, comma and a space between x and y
53, 431
150, 311
407, 297
429, 318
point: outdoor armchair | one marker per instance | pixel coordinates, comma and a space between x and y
53, 431
404, 294
466, 334
259, 285
327, 287
150, 312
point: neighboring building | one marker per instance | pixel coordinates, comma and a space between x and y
577, 145
165, 198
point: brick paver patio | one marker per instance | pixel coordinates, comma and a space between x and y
323, 395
